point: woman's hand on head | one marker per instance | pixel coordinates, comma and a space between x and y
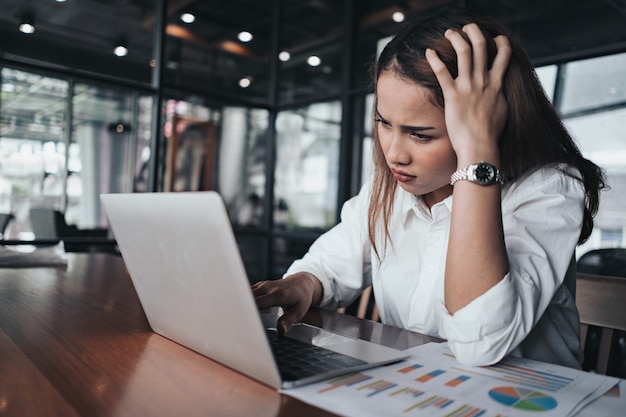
475, 106
296, 294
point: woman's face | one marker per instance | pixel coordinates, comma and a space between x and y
413, 137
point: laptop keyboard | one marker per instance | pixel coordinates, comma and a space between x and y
297, 359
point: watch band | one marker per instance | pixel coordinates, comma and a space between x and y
482, 173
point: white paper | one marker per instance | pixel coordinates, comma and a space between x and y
432, 383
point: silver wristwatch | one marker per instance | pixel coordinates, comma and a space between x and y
482, 173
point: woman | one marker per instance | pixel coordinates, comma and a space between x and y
479, 197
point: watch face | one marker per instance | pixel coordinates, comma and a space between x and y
485, 173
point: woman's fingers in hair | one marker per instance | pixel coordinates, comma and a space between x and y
503, 55
470, 46
463, 51
439, 68
478, 47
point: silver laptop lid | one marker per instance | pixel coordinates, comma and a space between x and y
175, 245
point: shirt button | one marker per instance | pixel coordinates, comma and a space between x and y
526, 277
430, 268
418, 304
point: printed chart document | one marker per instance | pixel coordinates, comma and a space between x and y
432, 383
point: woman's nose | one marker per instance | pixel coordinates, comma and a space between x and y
397, 152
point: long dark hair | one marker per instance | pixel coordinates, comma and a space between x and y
534, 135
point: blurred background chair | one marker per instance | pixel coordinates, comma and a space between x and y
604, 262
50, 224
5, 219
47, 223
602, 307
364, 307
609, 262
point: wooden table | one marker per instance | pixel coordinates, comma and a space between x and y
76, 342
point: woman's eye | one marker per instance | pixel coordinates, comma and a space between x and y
420, 136
382, 122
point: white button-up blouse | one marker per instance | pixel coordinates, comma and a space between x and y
530, 313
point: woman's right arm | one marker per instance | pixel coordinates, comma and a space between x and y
331, 274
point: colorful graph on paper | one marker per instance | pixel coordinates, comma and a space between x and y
432, 383
523, 399
523, 375
413, 399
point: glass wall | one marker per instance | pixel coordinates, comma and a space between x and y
45, 166
33, 149
307, 166
106, 136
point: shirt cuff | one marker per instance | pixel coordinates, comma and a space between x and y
327, 286
491, 312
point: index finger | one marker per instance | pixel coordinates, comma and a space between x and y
263, 295
439, 68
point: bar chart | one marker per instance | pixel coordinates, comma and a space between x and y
432, 383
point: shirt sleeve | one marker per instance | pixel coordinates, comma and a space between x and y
542, 218
338, 257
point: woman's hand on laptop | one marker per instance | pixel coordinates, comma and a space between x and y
295, 294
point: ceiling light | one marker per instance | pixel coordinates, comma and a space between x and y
27, 28
120, 50
245, 82
398, 17
119, 127
284, 56
27, 23
314, 61
244, 36
187, 18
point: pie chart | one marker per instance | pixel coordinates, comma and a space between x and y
523, 399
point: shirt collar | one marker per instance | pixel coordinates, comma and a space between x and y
407, 203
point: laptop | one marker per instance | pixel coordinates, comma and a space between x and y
184, 262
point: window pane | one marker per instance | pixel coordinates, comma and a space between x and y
367, 163
594, 83
601, 138
101, 153
191, 140
307, 164
223, 148
32, 146
144, 138
547, 78
242, 163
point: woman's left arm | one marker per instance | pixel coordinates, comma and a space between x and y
475, 114
542, 215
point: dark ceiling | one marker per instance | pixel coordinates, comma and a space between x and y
552, 30
77, 36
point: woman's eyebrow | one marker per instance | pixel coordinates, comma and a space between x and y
407, 127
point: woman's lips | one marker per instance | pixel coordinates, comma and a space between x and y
402, 176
